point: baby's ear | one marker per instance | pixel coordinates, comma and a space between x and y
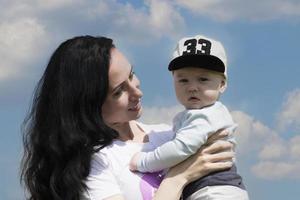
223, 86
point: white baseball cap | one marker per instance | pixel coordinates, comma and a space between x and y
199, 51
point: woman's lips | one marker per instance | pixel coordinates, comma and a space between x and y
137, 107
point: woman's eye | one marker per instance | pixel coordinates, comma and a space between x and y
118, 92
131, 75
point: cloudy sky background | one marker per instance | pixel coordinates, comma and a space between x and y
262, 43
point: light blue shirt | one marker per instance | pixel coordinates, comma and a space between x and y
192, 129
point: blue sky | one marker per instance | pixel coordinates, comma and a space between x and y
262, 42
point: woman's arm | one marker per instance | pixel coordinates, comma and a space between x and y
214, 156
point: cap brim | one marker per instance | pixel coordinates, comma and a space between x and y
202, 61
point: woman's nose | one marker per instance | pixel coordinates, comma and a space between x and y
135, 91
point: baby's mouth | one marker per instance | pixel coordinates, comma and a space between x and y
194, 99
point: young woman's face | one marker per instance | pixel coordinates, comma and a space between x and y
196, 88
123, 102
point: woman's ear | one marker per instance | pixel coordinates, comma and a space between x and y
223, 86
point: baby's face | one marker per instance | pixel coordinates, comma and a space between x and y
196, 88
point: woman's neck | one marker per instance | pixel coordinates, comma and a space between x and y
130, 131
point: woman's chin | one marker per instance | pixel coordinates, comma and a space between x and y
139, 113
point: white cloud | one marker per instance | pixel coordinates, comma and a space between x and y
289, 116
20, 43
53, 4
15, 9
227, 10
160, 114
251, 134
280, 158
153, 21
277, 170
294, 146
164, 18
276, 157
27, 25
274, 150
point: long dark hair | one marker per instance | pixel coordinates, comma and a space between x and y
65, 127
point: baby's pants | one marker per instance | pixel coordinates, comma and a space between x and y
220, 192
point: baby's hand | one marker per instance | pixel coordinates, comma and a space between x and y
133, 162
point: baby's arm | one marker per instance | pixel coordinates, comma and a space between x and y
187, 141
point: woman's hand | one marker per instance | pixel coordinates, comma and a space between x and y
215, 155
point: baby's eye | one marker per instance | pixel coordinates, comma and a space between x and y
203, 79
183, 80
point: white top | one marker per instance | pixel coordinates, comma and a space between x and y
192, 128
110, 174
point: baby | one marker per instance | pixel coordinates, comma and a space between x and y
200, 76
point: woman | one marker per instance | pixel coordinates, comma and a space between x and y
81, 132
